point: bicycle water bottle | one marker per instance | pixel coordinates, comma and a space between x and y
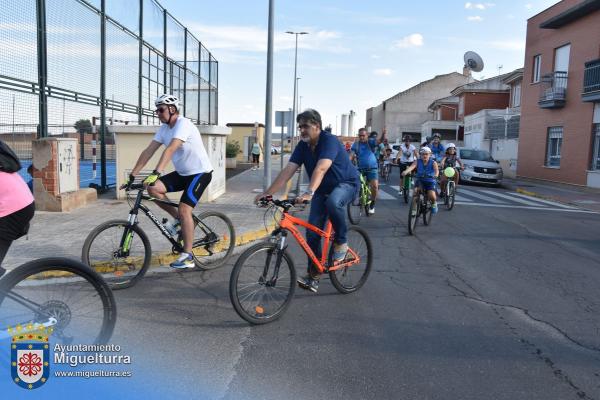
173, 227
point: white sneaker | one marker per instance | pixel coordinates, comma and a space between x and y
371, 210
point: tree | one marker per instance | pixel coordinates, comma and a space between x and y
83, 126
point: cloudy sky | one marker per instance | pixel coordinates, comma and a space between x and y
357, 54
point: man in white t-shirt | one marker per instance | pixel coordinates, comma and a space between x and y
193, 169
405, 157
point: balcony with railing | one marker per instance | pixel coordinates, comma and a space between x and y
591, 81
553, 90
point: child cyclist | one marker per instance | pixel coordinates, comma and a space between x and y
387, 161
425, 179
450, 160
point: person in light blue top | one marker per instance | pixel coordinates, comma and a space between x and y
425, 179
437, 148
361, 152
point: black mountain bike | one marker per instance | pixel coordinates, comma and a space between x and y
59, 294
420, 206
121, 252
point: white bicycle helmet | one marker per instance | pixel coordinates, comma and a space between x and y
167, 99
450, 146
425, 150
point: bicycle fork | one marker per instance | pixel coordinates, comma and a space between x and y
127, 237
281, 246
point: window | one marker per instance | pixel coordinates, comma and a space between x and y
537, 68
461, 105
596, 156
555, 135
438, 114
561, 58
516, 95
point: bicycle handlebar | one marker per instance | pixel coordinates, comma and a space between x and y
285, 204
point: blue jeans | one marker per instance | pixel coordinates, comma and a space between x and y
333, 207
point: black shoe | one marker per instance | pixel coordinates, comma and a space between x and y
308, 283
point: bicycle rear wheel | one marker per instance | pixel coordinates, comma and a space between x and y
260, 287
406, 189
119, 252
214, 239
427, 214
60, 293
349, 279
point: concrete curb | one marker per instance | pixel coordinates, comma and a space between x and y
166, 258
539, 196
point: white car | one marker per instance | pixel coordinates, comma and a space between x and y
275, 149
480, 167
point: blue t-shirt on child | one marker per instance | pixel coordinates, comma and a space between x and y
328, 147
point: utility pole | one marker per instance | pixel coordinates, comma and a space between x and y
269, 101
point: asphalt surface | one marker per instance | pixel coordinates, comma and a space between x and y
496, 299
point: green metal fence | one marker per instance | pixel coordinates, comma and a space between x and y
105, 61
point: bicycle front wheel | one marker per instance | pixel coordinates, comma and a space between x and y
451, 195
413, 215
427, 214
214, 240
62, 294
349, 279
262, 283
121, 253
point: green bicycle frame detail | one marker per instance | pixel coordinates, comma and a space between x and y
127, 243
365, 192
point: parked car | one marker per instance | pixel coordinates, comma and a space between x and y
275, 149
480, 167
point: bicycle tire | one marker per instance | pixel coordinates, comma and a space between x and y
405, 191
452, 195
427, 214
412, 220
354, 213
257, 314
61, 273
110, 267
354, 242
225, 243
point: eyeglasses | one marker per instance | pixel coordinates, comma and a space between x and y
362, 135
161, 110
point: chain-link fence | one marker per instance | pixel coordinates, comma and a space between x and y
71, 67
499, 128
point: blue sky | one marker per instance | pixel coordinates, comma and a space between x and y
357, 54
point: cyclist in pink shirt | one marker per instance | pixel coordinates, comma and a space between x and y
16, 210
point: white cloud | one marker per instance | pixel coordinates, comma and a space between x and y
375, 56
517, 45
475, 18
414, 40
529, 6
382, 71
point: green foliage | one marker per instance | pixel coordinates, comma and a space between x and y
83, 126
232, 149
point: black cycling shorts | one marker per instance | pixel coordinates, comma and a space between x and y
192, 185
15, 225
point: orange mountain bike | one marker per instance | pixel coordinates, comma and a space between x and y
263, 280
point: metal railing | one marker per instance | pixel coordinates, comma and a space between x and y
553, 88
591, 77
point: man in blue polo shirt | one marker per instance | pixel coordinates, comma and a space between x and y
333, 184
367, 163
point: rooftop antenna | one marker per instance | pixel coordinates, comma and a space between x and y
500, 66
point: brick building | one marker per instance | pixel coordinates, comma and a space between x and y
560, 108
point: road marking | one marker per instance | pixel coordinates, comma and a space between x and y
552, 203
383, 195
396, 188
511, 198
458, 197
527, 207
480, 196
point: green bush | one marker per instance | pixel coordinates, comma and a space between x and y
232, 149
83, 126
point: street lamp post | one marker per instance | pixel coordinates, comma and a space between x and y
295, 82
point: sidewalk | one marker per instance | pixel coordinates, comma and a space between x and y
581, 197
63, 234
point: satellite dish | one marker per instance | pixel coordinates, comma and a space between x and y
473, 61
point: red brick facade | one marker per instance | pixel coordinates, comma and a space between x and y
477, 101
575, 117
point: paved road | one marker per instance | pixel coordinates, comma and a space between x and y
497, 299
